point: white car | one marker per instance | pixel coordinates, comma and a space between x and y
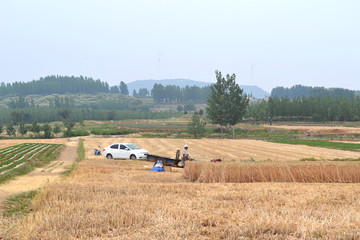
124, 151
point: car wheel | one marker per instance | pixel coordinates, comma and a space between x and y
109, 156
133, 157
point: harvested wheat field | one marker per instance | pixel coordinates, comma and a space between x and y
112, 199
329, 130
226, 149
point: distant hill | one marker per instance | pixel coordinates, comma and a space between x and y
149, 84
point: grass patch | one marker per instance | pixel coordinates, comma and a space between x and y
19, 204
325, 144
102, 131
80, 132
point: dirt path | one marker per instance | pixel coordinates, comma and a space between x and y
41, 176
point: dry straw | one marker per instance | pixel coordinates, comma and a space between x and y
307, 172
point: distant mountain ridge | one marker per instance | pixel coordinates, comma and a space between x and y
254, 91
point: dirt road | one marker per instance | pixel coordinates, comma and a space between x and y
41, 176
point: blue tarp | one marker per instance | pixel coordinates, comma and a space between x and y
157, 169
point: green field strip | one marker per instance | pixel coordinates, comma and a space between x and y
32, 152
14, 162
28, 156
11, 166
23, 150
17, 151
44, 149
19, 154
13, 148
355, 147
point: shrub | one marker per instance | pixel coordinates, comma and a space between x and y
75, 133
122, 131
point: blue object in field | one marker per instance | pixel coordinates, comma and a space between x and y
97, 152
158, 167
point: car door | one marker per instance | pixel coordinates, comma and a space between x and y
124, 151
114, 150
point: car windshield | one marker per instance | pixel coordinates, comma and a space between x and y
132, 146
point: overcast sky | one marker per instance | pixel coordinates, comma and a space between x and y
267, 43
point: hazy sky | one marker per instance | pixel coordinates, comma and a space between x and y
267, 43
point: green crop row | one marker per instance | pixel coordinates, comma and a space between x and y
101, 131
44, 154
325, 144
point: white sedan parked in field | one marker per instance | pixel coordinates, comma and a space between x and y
124, 151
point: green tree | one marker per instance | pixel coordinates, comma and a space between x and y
56, 129
1, 128
179, 108
10, 130
47, 130
69, 124
201, 112
35, 128
226, 104
189, 106
143, 92
196, 127
64, 113
22, 129
124, 88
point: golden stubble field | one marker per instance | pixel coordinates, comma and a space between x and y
120, 199
227, 149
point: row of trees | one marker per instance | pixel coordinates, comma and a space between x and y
54, 84
175, 94
299, 91
52, 115
311, 108
113, 102
35, 128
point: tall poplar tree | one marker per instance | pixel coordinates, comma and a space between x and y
124, 88
226, 103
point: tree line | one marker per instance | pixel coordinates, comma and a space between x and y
44, 115
306, 108
299, 91
54, 84
175, 94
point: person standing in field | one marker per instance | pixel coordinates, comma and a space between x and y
185, 155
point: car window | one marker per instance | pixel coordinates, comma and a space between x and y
115, 146
122, 147
133, 146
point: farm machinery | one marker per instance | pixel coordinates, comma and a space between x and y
172, 162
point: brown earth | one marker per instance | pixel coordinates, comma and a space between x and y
40, 176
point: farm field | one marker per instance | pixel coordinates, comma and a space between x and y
14, 157
120, 199
332, 130
227, 149
39, 176
12, 142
